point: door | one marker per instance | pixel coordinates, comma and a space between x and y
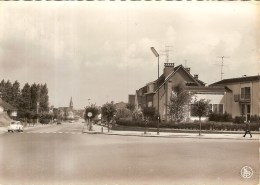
245, 111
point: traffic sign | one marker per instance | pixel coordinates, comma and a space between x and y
89, 114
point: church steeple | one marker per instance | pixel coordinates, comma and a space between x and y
71, 103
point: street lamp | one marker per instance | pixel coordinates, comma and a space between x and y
157, 55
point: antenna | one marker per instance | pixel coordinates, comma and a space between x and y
185, 63
222, 65
166, 53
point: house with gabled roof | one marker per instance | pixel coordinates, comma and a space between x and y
147, 96
243, 98
6, 107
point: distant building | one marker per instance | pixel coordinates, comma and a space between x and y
131, 99
67, 113
120, 105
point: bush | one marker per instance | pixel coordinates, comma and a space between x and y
137, 115
255, 119
239, 119
149, 112
220, 117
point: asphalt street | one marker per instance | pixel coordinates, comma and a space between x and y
62, 155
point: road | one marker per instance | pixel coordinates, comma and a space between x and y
62, 155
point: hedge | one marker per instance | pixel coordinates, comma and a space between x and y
191, 126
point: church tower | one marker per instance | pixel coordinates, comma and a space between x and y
71, 103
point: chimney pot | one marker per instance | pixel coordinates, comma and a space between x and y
187, 69
168, 69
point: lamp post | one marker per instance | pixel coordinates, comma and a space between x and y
157, 55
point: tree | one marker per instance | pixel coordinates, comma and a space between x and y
2, 88
44, 98
7, 92
35, 95
200, 108
16, 94
123, 113
179, 102
25, 103
108, 111
130, 106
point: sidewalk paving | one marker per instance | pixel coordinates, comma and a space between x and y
97, 129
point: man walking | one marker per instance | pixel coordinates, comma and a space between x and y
248, 130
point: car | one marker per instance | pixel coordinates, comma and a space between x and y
15, 126
58, 123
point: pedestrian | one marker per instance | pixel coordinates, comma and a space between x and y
248, 130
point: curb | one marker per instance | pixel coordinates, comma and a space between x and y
168, 136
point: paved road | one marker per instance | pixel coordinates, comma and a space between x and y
62, 155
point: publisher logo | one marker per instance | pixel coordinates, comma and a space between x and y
246, 172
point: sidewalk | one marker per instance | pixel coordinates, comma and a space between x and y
97, 129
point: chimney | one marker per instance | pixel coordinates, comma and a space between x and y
187, 69
196, 76
168, 69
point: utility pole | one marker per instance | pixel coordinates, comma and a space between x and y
222, 65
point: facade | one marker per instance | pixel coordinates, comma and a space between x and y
243, 99
147, 96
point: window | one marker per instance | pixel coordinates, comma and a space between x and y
215, 108
220, 108
150, 104
245, 93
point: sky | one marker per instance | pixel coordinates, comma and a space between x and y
97, 52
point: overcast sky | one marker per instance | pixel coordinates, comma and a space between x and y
101, 50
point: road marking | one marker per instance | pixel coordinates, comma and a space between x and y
52, 132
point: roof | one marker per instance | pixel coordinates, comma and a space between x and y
6, 105
212, 89
237, 80
172, 73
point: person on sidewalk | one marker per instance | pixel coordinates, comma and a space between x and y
248, 130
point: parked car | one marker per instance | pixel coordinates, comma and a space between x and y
15, 126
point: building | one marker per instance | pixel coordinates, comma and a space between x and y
6, 107
120, 105
147, 96
67, 113
131, 99
243, 99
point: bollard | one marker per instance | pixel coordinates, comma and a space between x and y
102, 129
